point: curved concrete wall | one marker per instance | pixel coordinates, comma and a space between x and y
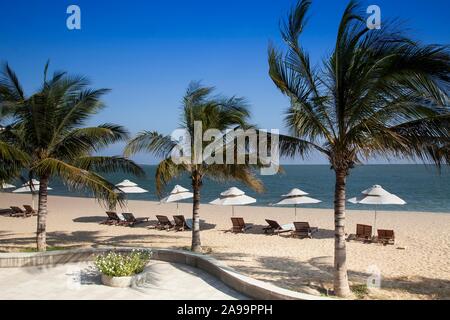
250, 287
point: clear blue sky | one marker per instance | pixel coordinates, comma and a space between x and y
148, 51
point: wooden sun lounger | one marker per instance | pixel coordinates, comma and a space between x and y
113, 218
18, 212
131, 220
164, 223
274, 228
239, 225
303, 230
363, 233
386, 236
180, 223
29, 210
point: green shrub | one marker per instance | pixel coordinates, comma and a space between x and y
115, 264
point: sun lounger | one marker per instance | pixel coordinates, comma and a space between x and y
18, 212
6, 211
113, 218
29, 210
181, 224
386, 236
275, 228
363, 232
164, 223
303, 230
130, 220
239, 225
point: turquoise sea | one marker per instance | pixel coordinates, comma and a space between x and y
422, 187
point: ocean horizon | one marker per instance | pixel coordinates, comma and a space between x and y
423, 187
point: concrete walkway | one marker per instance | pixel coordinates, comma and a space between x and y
161, 280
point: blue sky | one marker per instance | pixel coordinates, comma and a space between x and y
148, 51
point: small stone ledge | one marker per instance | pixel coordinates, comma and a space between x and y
250, 287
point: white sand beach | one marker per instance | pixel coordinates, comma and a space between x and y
416, 267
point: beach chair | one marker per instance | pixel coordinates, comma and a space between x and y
130, 220
363, 233
164, 223
113, 218
29, 210
18, 212
180, 223
239, 225
386, 236
274, 228
303, 230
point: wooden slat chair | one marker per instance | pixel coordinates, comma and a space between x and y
131, 220
18, 212
303, 230
363, 233
29, 210
164, 223
386, 236
113, 218
239, 225
180, 223
274, 227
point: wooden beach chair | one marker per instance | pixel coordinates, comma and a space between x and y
303, 230
239, 225
180, 223
29, 210
386, 236
131, 220
164, 223
113, 218
363, 233
18, 212
274, 228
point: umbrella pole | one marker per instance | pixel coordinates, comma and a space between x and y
295, 206
375, 220
33, 199
232, 211
178, 212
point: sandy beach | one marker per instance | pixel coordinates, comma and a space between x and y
416, 267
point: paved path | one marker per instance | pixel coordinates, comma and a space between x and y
81, 281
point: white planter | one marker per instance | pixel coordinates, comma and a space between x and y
118, 282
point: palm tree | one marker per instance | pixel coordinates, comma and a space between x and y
212, 113
378, 93
48, 126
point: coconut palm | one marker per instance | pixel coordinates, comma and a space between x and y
48, 126
217, 113
379, 93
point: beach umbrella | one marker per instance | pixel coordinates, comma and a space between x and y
296, 197
7, 186
233, 197
32, 187
128, 187
178, 193
376, 195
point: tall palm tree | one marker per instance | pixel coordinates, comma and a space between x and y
378, 93
212, 113
48, 126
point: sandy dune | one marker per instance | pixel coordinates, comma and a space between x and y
420, 270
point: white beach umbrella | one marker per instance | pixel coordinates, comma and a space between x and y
233, 197
7, 186
178, 193
128, 187
376, 195
32, 187
296, 197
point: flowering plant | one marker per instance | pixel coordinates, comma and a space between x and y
115, 264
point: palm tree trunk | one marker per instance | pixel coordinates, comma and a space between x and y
341, 287
196, 185
41, 235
